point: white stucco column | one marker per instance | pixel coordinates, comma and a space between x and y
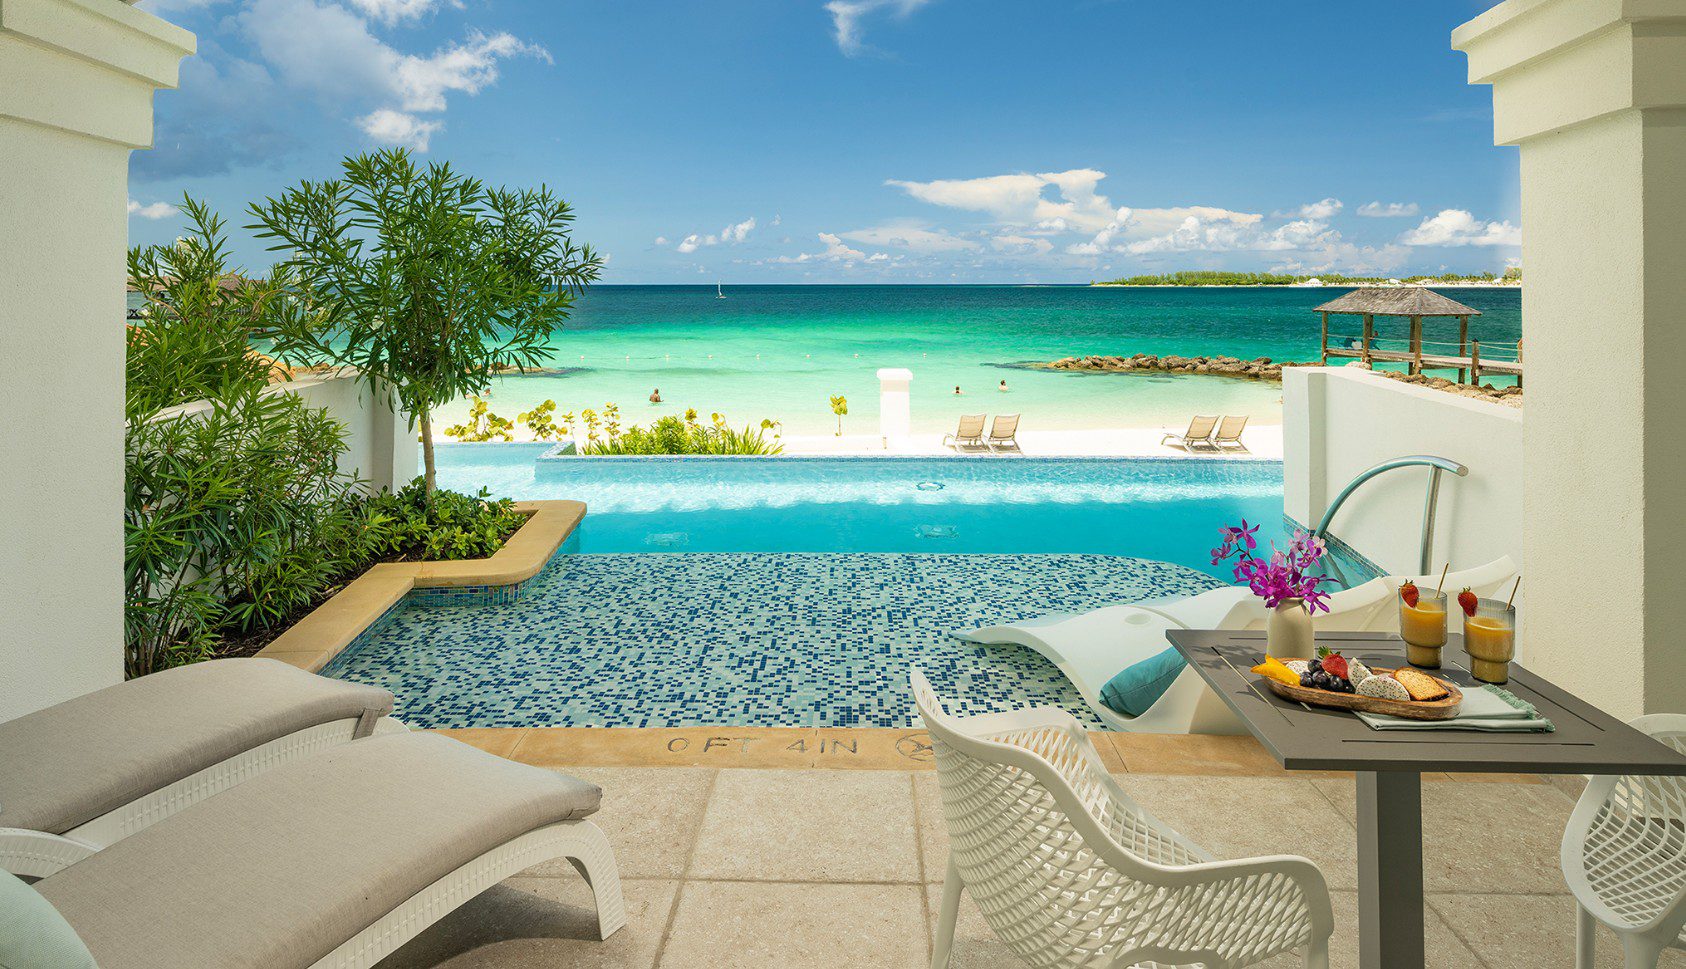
1594, 93
895, 404
76, 83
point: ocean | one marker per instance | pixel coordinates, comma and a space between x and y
779, 352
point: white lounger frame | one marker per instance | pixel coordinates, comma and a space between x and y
581, 842
38, 854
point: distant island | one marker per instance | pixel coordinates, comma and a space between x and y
1511, 277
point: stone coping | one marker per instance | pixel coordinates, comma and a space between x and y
317, 638
867, 748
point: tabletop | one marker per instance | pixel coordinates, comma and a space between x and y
1301, 737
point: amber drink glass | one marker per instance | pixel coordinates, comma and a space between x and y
1423, 627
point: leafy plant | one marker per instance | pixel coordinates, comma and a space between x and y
840, 407
676, 435
430, 282
482, 425
453, 526
541, 421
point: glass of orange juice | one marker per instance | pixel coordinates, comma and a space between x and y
1490, 640
1423, 627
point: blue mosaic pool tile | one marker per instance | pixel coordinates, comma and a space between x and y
742, 639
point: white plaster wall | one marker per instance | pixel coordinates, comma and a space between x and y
76, 83
381, 447
1339, 421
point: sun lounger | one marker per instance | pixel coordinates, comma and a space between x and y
1228, 437
1092, 647
968, 434
91, 771
1199, 434
1003, 433
331, 861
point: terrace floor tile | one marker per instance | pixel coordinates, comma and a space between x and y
526, 923
797, 926
651, 816
834, 826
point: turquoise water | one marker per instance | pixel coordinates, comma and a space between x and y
1162, 509
779, 352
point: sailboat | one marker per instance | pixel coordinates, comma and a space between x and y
717, 293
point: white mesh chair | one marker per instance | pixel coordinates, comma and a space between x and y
1624, 857
1069, 872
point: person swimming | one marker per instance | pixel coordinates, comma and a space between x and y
656, 396
1003, 387
957, 390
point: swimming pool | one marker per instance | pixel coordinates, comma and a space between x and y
798, 591
1162, 509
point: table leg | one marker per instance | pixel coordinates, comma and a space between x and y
1390, 870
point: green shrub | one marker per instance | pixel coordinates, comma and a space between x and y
458, 526
674, 435
481, 425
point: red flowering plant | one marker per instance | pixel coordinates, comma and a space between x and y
1285, 574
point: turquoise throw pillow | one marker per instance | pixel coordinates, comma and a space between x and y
1141, 685
33, 935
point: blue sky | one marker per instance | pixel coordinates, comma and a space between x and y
874, 140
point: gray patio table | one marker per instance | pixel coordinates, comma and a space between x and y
1389, 763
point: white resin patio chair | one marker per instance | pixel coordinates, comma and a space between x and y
88, 772
1228, 437
1198, 435
330, 862
1093, 647
968, 434
1003, 433
1070, 872
1624, 857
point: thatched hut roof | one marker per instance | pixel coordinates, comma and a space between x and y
1397, 301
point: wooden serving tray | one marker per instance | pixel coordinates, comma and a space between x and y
1443, 709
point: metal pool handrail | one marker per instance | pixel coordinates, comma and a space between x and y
1435, 464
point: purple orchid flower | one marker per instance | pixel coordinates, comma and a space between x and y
1286, 574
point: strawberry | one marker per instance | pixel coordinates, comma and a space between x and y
1468, 600
1408, 592
1335, 665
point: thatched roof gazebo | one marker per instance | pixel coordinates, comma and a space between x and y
1413, 303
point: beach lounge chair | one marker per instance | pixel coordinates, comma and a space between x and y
91, 771
1003, 433
1068, 870
334, 860
1092, 647
968, 434
1228, 437
1199, 434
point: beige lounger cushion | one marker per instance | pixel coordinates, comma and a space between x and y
279, 871
83, 758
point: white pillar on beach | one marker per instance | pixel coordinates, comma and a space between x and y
76, 83
1594, 94
895, 404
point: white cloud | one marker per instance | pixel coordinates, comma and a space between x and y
1347, 258
846, 17
915, 238
391, 127
1179, 229
661, 240
1324, 209
328, 49
1387, 210
1457, 227
157, 210
396, 11
1020, 198
1021, 244
732, 234
835, 251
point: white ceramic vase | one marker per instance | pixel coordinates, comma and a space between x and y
1288, 632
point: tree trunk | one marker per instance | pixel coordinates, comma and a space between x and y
427, 453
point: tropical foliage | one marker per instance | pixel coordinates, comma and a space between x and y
840, 407
430, 282
684, 435
1206, 277
237, 514
482, 425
